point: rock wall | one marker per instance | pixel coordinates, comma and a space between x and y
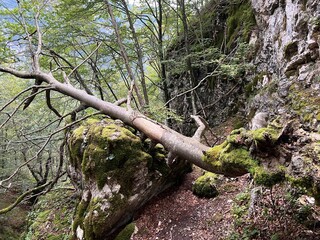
284, 57
283, 86
287, 42
220, 79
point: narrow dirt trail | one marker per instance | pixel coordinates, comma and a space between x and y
177, 214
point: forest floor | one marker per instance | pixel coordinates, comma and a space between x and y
177, 214
13, 223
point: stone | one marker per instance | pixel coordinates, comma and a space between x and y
260, 120
117, 174
204, 186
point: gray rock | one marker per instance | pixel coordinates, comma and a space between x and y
260, 120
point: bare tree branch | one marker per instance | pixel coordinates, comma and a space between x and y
19, 94
124, 52
85, 60
48, 100
17, 108
19, 74
44, 145
192, 89
202, 126
22, 197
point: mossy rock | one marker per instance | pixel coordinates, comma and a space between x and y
204, 186
230, 159
234, 158
98, 148
268, 178
119, 174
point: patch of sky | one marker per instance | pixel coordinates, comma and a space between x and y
9, 4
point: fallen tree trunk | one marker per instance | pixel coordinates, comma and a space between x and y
185, 147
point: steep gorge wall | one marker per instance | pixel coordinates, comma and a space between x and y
287, 39
215, 36
284, 53
283, 85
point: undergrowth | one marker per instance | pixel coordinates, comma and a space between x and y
278, 213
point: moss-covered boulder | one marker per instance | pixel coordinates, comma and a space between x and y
117, 174
204, 186
273, 154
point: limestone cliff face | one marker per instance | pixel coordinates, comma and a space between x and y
286, 39
284, 52
287, 42
282, 83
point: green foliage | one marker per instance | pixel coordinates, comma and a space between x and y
160, 114
240, 207
239, 22
268, 178
12, 223
52, 216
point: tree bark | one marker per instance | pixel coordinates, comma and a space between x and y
192, 80
182, 146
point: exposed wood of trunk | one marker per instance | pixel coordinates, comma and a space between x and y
182, 146
185, 147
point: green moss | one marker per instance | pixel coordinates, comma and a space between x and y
204, 186
127, 232
80, 214
54, 223
308, 184
265, 134
97, 219
214, 152
74, 144
230, 161
305, 103
237, 161
268, 178
232, 157
240, 22
105, 148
